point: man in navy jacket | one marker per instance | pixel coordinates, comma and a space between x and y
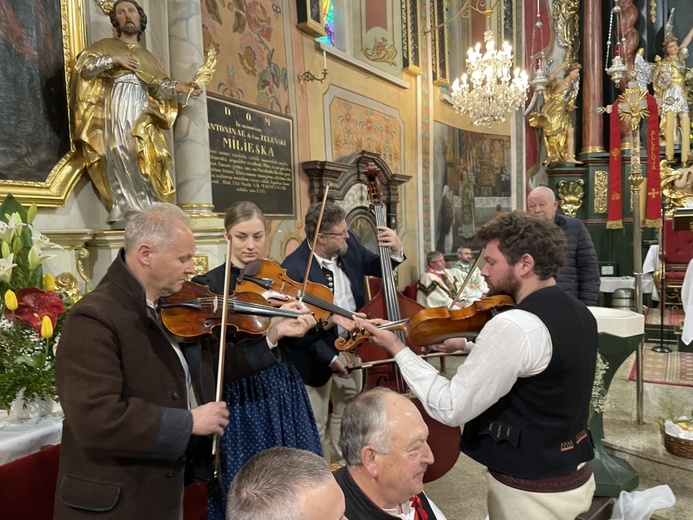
340, 262
580, 273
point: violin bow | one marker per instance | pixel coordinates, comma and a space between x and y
372, 364
475, 265
312, 247
222, 350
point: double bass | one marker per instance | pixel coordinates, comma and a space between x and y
391, 305
388, 304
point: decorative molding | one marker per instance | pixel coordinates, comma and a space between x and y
56, 187
82, 254
601, 191
359, 64
653, 11
382, 51
410, 37
344, 175
439, 55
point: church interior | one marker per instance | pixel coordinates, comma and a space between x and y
454, 109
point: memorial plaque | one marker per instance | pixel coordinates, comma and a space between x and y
251, 153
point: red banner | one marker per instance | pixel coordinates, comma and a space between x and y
653, 209
614, 219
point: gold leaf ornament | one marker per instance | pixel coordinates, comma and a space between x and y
105, 5
204, 74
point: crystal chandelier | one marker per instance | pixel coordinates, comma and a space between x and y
488, 92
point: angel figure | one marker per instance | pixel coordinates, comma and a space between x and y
677, 186
554, 118
669, 87
643, 70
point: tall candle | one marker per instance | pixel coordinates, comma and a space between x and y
324, 60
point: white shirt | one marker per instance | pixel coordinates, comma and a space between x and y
408, 511
687, 302
513, 344
343, 294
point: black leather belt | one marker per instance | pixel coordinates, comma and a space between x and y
548, 484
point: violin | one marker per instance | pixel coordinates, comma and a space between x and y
433, 326
271, 281
195, 310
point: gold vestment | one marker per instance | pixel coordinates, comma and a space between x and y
118, 123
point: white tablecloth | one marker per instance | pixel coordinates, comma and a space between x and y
609, 284
22, 437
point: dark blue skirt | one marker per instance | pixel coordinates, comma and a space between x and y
270, 408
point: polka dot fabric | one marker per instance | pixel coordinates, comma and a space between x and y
270, 408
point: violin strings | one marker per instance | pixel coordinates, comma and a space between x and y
250, 306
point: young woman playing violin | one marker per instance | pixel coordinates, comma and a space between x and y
267, 401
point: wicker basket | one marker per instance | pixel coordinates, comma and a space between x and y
678, 447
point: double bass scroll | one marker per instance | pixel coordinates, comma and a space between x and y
388, 304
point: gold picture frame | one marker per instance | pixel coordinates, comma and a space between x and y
48, 183
310, 17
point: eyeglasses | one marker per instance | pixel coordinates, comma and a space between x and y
344, 233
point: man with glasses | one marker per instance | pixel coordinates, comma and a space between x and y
340, 262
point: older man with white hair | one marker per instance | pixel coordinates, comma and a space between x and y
580, 273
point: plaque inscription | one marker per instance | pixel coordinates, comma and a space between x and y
251, 154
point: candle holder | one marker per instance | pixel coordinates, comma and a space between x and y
309, 76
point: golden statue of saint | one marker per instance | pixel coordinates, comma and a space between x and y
554, 119
122, 102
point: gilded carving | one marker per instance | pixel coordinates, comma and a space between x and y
201, 263
677, 187
81, 254
66, 283
601, 191
570, 194
653, 11
566, 24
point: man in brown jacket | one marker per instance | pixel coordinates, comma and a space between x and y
132, 397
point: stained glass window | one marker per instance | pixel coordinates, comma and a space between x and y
328, 10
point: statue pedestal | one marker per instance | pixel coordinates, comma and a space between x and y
620, 333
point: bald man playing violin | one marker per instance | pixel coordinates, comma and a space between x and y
523, 394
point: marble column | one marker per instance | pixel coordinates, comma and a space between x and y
192, 165
593, 72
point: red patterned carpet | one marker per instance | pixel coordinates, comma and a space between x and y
673, 317
675, 368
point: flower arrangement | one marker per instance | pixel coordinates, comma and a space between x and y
32, 313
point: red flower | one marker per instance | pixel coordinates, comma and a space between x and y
34, 304
258, 20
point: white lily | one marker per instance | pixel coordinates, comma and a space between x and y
6, 265
14, 225
42, 240
36, 257
6, 232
